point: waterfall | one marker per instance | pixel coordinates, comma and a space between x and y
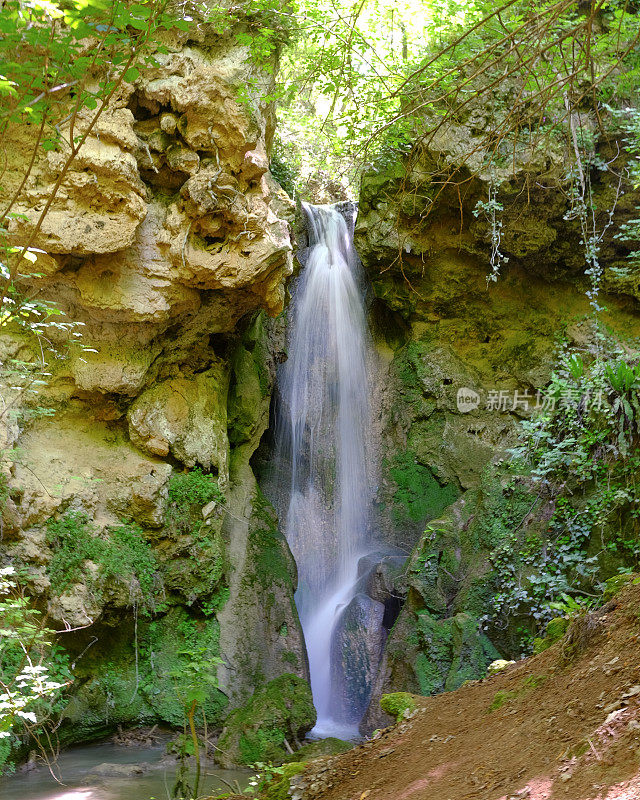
322, 439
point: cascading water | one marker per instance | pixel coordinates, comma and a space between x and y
324, 423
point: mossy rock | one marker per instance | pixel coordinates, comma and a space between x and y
277, 788
452, 651
281, 710
418, 496
330, 746
396, 703
169, 646
614, 584
555, 630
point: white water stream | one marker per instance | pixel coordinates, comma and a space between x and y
323, 427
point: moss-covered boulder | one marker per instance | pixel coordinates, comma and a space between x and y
452, 651
278, 712
554, 631
331, 746
276, 786
396, 704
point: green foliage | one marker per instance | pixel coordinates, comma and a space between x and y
282, 709
178, 656
204, 567
60, 64
591, 422
33, 670
123, 554
581, 454
61, 67
372, 83
73, 543
283, 168
188, 493
129, 554
418, 496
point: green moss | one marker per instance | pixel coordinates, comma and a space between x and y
131, 555
122, 554
451, 652
554, 631
251, 381
168, 649
188, 493
4, 496
503, 696
277, 787
200, 572
331, 746
396, 703
418, 496
411, 371
73, 543
614, 584
282, 709
127, 679
272, 561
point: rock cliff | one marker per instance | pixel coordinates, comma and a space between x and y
131, 500
463, 361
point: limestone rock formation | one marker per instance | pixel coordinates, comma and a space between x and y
463, 360
169, 242
355, 653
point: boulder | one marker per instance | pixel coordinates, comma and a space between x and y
282, 711
186, 417
356, 650
380, 574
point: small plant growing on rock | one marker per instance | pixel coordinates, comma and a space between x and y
491, 209
188, 493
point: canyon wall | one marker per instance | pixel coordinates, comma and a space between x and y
442, 326
132, 505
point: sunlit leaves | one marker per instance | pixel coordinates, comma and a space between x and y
371, 74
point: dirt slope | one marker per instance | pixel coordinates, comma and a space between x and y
568, 727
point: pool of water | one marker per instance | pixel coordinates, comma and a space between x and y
108, 771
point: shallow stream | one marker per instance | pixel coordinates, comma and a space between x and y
108, 771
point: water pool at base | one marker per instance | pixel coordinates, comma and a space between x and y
107, 771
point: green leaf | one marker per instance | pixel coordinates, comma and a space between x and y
132, 74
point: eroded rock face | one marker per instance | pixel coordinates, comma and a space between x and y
187, 418
168, 207
170, 242
454, 350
